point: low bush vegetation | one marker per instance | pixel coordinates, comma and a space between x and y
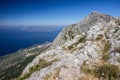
65, 38
82, 39
70, 47
70, 33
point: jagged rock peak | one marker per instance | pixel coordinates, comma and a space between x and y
98, 17
96, 13
83, 26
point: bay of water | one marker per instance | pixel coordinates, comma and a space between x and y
13, 39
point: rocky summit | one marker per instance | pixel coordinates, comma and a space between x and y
87, 50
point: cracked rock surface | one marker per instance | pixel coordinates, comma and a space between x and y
85, 42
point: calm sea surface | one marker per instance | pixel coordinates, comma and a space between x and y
13, 39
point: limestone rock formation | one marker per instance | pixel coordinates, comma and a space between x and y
87, 50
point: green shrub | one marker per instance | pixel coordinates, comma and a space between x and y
82, 39
70, 33
65, 38
70, 47
108, 71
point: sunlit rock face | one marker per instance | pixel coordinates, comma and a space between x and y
79, 51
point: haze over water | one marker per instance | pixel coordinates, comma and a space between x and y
13, 39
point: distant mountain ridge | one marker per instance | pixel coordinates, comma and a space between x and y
42, 28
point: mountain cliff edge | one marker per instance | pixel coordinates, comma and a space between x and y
87, 50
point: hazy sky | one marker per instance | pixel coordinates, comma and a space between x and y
53, 12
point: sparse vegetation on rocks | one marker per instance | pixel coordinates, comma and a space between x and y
118, 22
65, 38
70, 33
86, 69
82, 39
89, 55
40, 65
107, 71
99, 37
105, 57
70, 47
106, 47
117, 49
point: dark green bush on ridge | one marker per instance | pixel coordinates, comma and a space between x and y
70, 33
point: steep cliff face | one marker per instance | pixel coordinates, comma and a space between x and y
87, 50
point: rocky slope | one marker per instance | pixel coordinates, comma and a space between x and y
12, 65
87, 50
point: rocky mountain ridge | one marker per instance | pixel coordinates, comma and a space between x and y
87, 50
82, 26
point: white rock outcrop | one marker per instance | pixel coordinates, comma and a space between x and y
82, 42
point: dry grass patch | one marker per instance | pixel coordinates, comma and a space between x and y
42, 64
99, 37
107, 71
117, 49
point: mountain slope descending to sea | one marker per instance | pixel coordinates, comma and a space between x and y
14, 37
87, 50
12, 65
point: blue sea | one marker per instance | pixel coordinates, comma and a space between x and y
15, 38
